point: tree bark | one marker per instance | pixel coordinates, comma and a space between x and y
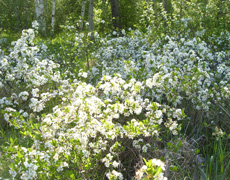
40, 15
91, 17
82, 14
165, 5
116, 18
53, 16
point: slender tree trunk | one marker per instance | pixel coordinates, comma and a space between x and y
165, 9
165, 5
26, 14
17, 16
181, 8
155, 10
53, 16
116, 18
82, 14
40, 15
45, 3
91, 17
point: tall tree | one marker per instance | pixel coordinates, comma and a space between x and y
17, 15
165, 5
91, 17
53, 15
40, 15
116, 18
82, 14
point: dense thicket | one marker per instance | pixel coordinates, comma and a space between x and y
114, 89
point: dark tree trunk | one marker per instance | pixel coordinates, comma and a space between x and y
165, 5
116, 14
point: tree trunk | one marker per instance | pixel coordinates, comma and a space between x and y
40, 15
26, 14
53, 16
17, 15
91, 18
165, 5
155, 10
116, 18
82, 14
181, 8
165, 9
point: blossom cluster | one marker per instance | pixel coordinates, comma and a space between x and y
89, 125
140, 93
28, 80
95, 121
175, 69
155, 163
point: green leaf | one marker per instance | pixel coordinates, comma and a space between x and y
197, 151
19, 154
174, 168
158, 171
145, 161
72, 176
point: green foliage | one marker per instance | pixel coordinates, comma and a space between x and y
16, 15
217, 160
157, 90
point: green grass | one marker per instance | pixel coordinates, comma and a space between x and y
217, 157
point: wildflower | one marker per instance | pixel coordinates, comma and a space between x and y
24, 95
6, 117
12, 173
115, 164
145, 147
218, 132
140, 173
24, 149
55, 157
65, 164
35, 25
158, 114
34, 92
158, 162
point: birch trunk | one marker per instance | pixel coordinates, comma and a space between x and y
116, 18
40, 16
91, 17
53, 15
82, 14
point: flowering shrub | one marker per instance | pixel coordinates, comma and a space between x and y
28, 80
131, 102
153, 170
174, 70
89, 131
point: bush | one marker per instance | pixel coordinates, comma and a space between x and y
112, 121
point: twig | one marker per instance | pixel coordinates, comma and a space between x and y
224, 110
